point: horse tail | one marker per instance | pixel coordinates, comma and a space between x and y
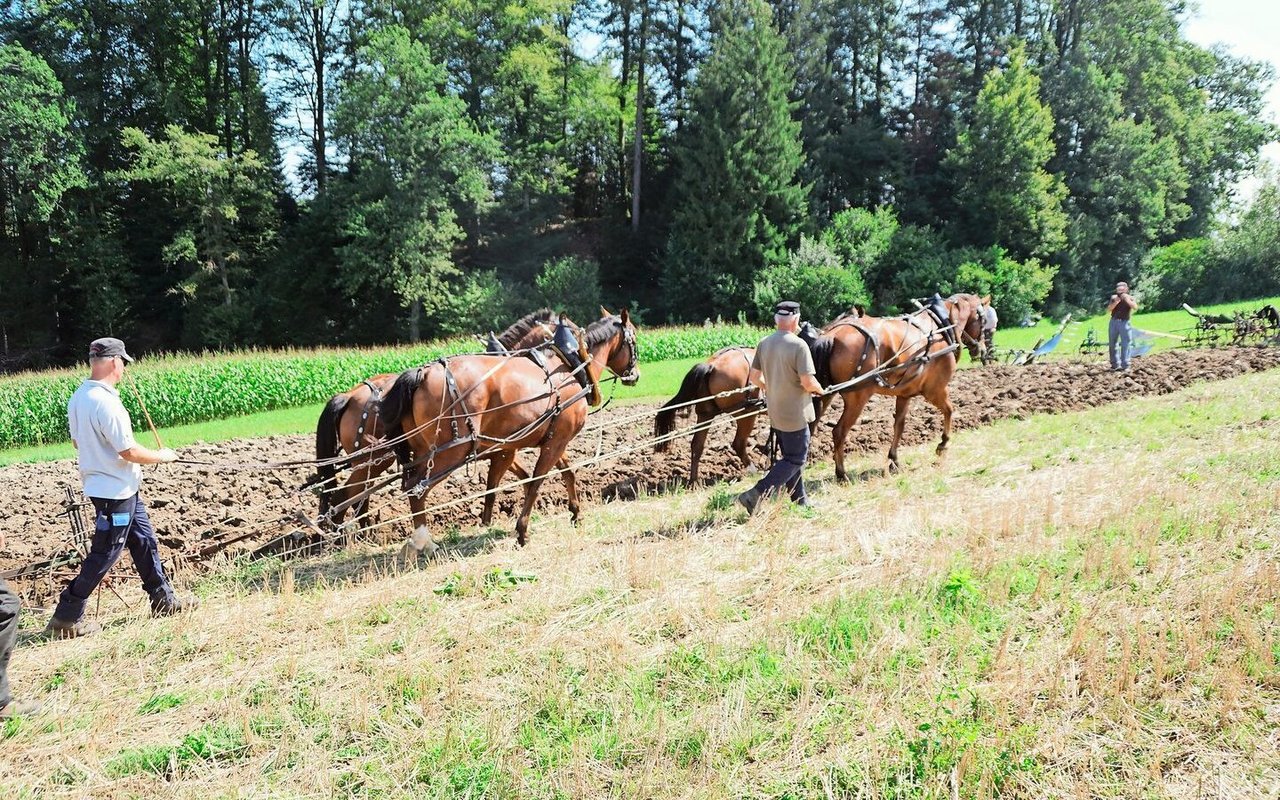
693, 387
821, 350
328, 445
395, 404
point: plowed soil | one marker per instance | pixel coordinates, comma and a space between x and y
195, 509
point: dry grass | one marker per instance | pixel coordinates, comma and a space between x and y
1066, 608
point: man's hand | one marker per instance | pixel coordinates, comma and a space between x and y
810, 384
145, 455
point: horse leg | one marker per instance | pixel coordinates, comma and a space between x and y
499, 463
854, 403
696, 447
942, 401
420, 541
746, 426
899, 425
570, 487
547, 457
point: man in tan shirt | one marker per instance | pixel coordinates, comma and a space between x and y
783, 369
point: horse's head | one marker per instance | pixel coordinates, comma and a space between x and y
965, 312
614, 337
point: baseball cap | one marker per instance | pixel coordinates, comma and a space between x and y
108, 347
787, 308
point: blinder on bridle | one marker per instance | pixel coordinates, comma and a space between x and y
630, 375
971, 342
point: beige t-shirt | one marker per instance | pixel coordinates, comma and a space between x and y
782, 358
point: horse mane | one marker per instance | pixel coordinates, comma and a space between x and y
600, 331
848, 315
521, 327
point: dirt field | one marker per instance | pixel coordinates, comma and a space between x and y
194, 507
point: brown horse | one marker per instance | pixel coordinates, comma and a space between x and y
464, 408
910, 351
725, 371
351, 422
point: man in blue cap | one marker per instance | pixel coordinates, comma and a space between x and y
110, 470
783, 368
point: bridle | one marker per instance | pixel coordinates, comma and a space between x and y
971, 342
628, 339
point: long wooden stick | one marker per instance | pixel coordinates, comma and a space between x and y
150, 424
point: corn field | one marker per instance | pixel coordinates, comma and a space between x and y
181, 389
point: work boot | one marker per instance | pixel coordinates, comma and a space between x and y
749, 499
19, 708
172, 605
64, 629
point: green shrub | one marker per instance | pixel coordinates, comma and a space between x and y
1175, 274
813, 276
571, 285
1016, 287
861, 238
917, 264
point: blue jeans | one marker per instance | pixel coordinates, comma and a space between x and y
8, 635
786, 472
117, 524
1119, 334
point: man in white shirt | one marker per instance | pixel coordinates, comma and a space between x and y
110, 470
989, 321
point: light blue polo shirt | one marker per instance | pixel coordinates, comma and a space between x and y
101, 428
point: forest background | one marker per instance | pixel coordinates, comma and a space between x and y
207, 174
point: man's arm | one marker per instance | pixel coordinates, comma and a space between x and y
1115, 301
811, 384
1133, 304
145, 455
756, 377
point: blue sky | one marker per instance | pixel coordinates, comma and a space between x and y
1248, 28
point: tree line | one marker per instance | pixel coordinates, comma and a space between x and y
216, 173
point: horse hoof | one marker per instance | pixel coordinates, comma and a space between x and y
408, 556
841, 476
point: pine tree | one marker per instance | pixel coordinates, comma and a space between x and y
737, 204
1007, 197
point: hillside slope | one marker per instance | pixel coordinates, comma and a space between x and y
1081, 604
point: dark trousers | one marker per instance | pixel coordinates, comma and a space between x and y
786, 471
117, 524
8, 635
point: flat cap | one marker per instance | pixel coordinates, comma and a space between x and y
108, 347
787, 308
